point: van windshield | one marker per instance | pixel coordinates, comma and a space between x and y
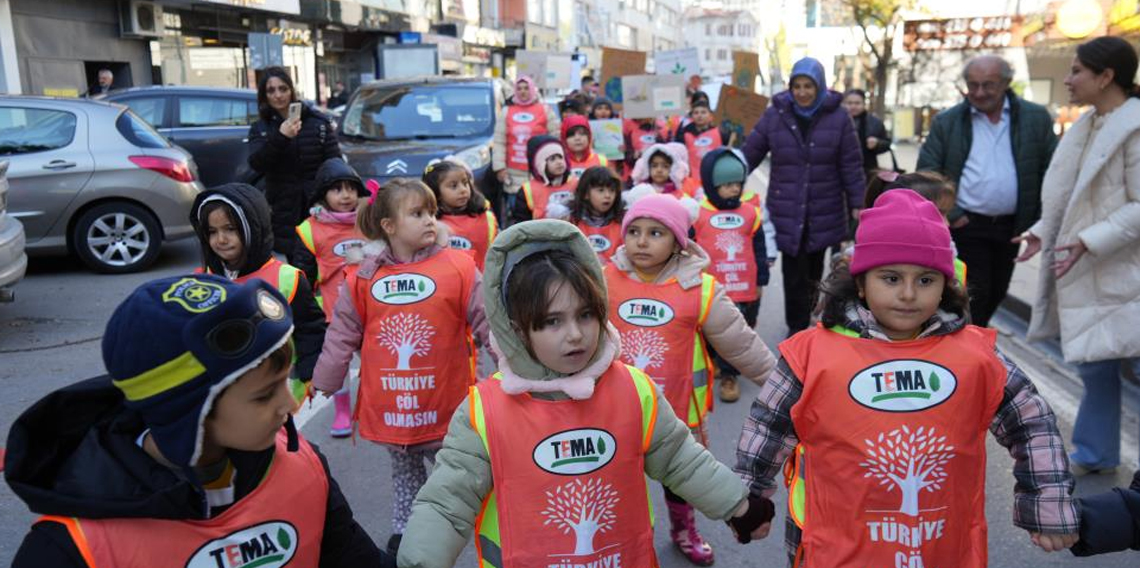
420, 112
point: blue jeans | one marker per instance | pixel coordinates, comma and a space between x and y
1096, 434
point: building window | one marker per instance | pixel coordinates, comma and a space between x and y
534, 11
708, 54
812, 10
549, 13
721, 54
626, 36
708, 29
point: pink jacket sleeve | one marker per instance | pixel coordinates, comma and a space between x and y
728, 333
343, 338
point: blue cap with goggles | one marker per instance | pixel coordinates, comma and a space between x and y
176, 343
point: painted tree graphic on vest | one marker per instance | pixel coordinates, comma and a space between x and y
405, 335
731, 243
645, 348
910, 460
584, 507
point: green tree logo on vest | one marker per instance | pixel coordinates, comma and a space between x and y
401, 289
903, 385
911, 460
268, 545
405, 335
575, 452
644, 349
726, 221
341, 249
584, 508
645, 312
458, 242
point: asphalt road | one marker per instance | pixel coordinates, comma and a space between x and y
50, 337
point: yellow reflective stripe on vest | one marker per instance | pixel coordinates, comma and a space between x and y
960, 272
492, 228
527, 195
702, 361
305, 231
288, 277
602, 160
757, 223
797, 487
843, 331
75, 531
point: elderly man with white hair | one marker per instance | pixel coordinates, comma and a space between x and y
106, 82
996, 147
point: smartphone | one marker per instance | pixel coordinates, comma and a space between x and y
294, 111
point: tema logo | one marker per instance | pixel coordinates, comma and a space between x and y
726, 221
645, 312
599, 243
575, 452
903, 385
458, 242
523, 117
341, 249
702, 142
268, 545
400, 289
649, 138
195, 295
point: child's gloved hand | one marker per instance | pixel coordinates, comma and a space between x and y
1053, 542
755, 521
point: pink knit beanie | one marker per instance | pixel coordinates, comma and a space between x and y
664, 209
902, 228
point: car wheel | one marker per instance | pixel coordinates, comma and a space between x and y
117, 238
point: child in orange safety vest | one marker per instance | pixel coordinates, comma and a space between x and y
880, 413
184, 453
411, 308
550, 179
462, 208
597, 210
327, 238
664, 168
670, 311
232, 222
579, 143
732, 234
545, 459
701, 135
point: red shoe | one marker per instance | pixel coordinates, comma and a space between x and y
683, 531
342, 422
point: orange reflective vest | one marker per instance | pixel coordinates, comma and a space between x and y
605, 240
284, 277
472, 233
592, 159
328, 243
700, 144
726, 235
569, 482
280, 523
539, 196
417, 358
523, 123
660, 327
891, 465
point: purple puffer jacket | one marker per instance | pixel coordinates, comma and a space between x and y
816, 181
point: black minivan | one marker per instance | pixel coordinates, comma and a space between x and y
211, 123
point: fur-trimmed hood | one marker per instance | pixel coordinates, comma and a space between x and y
675, 151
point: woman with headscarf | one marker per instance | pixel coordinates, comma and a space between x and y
524, 117
816, 183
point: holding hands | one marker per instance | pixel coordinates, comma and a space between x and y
753, 520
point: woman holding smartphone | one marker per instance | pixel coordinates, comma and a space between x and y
287, 145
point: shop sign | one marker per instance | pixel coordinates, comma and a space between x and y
476, 54
450, 48
293, 36
280, 6
990, 32
484, 36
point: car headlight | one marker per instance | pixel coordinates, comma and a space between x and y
475, 158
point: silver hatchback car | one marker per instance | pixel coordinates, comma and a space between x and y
94, 179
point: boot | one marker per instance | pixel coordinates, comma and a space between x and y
342, 422
729, 390
683, 531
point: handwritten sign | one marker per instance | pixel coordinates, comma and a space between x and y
648, 96
684, 62
745, 69
618, 63
738, 110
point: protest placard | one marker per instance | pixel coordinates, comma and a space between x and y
684, 62
647, 96
745, 69
738, 110
617, 63
608, 139
549, 70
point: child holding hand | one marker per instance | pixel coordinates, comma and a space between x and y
667, 308
462, 208
411, 308
881, 413
545, 462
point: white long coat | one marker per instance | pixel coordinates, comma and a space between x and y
1096, 306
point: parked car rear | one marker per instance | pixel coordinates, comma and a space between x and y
94, 179
210, 123
13, 260
395, 128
